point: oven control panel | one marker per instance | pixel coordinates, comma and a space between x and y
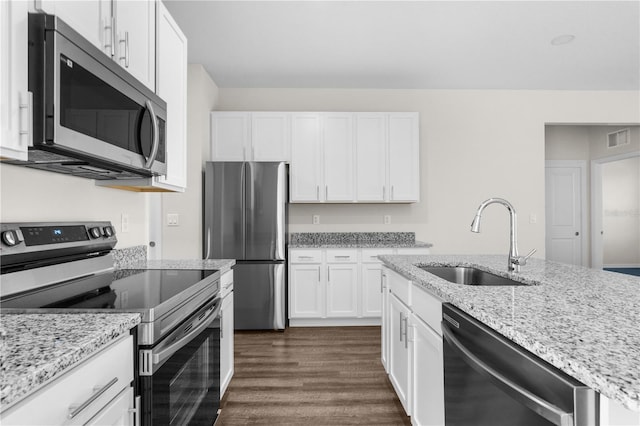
20, 242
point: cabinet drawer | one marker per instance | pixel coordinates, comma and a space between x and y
371, 255
110, 370
427, 307
305, 256
400, 286
413, 250
342, 256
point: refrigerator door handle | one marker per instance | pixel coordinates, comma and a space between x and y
243, 203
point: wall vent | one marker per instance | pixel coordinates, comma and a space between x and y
621, 137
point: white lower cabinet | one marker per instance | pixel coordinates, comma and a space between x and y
427, 391
96, 391
338, 286
412, 348
400, 351
226, 332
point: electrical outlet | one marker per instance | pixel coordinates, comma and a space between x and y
533, 218
387, 219
316, 219
173, 219
124, 223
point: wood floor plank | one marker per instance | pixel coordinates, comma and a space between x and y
310, 376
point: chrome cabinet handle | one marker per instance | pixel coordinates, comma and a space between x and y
400, 326
406, 337
26, 116
392, 197
317, 192
156, 136
76, 409
326, 192
110, 26
136, 411
515, 391
328, 275
343, 257
384, 191
221, 323
126, 49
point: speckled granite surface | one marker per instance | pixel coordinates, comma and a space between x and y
354, 240
223, 265
36, 348
128, 256
583, 321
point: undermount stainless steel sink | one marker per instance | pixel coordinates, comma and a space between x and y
469, 276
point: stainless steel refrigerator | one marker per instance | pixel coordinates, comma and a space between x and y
245, 218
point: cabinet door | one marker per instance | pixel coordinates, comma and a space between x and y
172, 87
306, 292
226, 343
427, 374
230, 133
90, 18
371, 157
342, 291
372, 290
119, 412
136, 39
384, 329
400, 351
15, 108
306, 159
270, 136
338, 144
404, 157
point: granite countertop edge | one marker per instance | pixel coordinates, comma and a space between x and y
222, 265
417, 244
36, 349
550, 316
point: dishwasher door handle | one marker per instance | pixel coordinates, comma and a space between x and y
542, 407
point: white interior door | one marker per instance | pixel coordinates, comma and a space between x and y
564, 233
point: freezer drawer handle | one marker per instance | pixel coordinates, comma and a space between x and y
544, 408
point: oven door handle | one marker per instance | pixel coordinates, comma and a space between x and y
544, 408
164, 354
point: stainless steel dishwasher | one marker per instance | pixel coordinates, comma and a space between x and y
489, 380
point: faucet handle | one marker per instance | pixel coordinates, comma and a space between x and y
522, 260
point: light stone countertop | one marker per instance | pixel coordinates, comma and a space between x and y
223, 265
416, 244
37, 348
586, 322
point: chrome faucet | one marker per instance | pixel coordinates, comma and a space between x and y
515, 261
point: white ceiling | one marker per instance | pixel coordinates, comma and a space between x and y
414, 44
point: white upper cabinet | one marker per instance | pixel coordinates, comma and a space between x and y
306, 158
404, 159
15, 104
123, 29
338, 144
172, 88
135, 30
371, 148
230, 135
250, 136
270, 136
388, 157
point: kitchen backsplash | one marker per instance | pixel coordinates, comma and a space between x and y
320, 238
128, 256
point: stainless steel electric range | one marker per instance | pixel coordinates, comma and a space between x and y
68, 267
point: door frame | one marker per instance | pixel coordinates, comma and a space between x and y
596, 205
582, 165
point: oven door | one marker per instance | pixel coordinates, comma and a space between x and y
180, 376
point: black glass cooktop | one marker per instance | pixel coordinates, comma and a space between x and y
131, 289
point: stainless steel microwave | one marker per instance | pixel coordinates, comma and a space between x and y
91, 118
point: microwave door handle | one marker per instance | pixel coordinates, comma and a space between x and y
156, 136
544, 408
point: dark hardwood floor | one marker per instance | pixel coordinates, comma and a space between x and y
310, 376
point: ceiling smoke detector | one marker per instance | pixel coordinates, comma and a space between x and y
562, 39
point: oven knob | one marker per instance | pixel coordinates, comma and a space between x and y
95, 232
108, 231
11, 238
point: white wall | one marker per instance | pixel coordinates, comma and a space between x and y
34, 195
474, 145
185, 241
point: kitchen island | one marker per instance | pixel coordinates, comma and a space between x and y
582, 321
